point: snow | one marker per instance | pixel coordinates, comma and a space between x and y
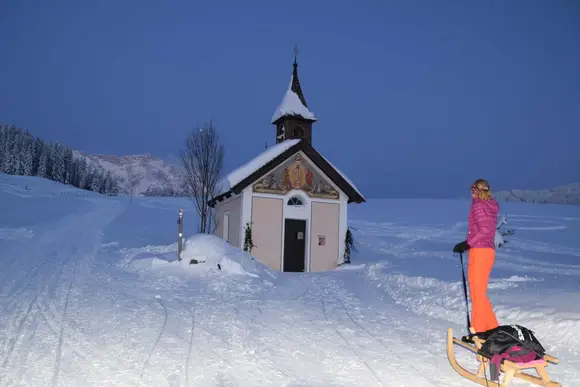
291, 105
215, 257
498, 239
240, 173
92, 295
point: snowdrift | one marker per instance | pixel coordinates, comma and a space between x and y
214, 257
212, 251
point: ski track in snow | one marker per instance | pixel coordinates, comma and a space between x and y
165, 316
45, 271
77, 312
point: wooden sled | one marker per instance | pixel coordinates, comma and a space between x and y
509, 369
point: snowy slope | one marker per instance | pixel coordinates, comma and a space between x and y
566, 194
149, 172
91, 295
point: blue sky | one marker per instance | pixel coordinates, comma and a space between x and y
414, 98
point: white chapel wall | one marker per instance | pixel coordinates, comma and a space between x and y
267, 231
233, 208
339, 218
324, 240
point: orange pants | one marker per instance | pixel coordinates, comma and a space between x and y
478, 270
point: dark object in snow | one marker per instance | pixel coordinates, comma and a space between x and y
194, 262
508, 232
219, 266
349, 246
248, 242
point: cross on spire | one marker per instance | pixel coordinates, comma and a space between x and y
295, 53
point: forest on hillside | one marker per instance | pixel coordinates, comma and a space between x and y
21, 153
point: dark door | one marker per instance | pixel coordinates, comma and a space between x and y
294, 245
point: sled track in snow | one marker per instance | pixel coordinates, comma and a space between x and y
350, 345
32, 329
321, 351
42, 286
56, 369
274, 365
190, 346
146, 363
31, 274
378, 340
24, 317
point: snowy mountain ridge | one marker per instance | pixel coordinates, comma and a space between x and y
149, 174
565, 194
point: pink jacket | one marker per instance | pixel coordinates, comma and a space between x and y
482, 223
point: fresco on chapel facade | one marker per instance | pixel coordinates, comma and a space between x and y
296, 173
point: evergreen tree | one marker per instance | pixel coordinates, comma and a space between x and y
349, 246
83, 171
42, 170
58, 167
38, 145
248, 241
68, 163
8, 165
17, 151
28, 154
109, 184
3, 134
74, 173
95, 181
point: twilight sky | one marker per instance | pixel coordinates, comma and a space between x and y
414, 98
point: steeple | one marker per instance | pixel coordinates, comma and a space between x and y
293, 118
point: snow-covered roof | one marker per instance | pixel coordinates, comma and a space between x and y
257, 166
240, 173
291, 105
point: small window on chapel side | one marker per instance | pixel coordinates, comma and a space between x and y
295, 201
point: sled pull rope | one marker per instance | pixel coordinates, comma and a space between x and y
465, 294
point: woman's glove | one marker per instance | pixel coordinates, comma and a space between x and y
461, 247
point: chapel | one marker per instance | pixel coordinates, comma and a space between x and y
289, 203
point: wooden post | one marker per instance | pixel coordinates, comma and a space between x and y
179, 234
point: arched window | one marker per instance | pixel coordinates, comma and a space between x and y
295, 201
298, 131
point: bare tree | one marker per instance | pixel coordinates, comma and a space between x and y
131, 182
202, 159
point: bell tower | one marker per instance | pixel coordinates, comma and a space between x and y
293, 119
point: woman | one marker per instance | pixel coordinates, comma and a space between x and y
480, 243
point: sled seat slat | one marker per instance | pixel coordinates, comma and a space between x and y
531, 364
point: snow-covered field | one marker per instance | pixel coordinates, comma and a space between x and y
89, 297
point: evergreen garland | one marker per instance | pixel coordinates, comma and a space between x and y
248, 242
348, 245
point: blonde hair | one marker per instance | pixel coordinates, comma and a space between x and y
482, 189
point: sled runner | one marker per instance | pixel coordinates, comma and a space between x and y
509, 368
